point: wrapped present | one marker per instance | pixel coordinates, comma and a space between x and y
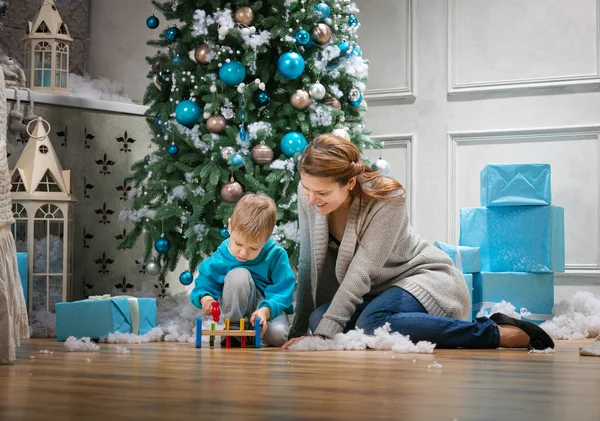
23, 273
466, 259
532, 294
515, 185
469, 281
516, 238
98, 316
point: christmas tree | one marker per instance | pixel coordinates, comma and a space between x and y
238, 89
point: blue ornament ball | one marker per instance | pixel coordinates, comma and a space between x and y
160, 123
293, 143
353, 21
356, 50
173, 34
224, 232
152, 22
162, 245
177, 59
173, 150
186, 278
302, 37
237, 160
291, 65
232, 73
344, 47
187, 113
262, 99
323, 9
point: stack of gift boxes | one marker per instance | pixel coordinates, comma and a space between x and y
516, 237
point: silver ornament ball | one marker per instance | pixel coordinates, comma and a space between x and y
382, 166
354, 95
227, 152
153, 268
317, 91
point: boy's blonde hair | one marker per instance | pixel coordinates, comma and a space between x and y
255, 216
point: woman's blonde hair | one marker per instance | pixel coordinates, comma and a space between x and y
254, 216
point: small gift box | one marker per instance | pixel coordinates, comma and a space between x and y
515, 185
466, 259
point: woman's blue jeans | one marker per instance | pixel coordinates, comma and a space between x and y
407, 316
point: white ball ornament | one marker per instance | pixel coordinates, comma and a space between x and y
245, 32
206, 115
213, 88
317, 91
252, 30
223, 31
341, 133
262, 86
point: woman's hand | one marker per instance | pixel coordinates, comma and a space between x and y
296, 340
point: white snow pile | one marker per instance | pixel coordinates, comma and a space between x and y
575, 319
542, 351
356, 339
80, 345
101, 89
122, 350
502, 307
43, 324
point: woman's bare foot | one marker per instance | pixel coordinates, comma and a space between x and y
512, 337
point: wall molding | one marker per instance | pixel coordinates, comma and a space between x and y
554, 134
407, 141
401, 92
511, 84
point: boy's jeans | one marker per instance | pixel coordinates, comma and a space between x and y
240, 299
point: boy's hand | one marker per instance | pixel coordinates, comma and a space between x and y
206, 304
263, 314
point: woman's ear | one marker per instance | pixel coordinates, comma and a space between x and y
352, 183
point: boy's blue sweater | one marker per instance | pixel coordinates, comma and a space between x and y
270, 271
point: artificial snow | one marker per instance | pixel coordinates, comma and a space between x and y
284, 164
542, 351
320, 115
43, 324
435, 365
502, 307
80, 345
575, 319
101, 89
122, 350
260, 130
356, 339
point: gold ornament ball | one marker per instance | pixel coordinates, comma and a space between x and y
244, 15
262, 154
320, 34
300, 100
333, 102
201, 53
232, 192
216, 124
156, 66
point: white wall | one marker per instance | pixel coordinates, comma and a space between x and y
455, 84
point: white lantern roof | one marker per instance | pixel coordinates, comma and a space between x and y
48, 24
38, 174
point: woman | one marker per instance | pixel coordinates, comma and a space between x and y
362, 265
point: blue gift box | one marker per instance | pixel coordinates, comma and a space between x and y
23, 273
516, 238
515, 185
97, 317
532, 294
467, 259
469, 281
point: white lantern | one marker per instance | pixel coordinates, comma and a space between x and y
43, 208
47, 44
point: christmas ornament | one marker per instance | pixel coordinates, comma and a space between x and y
291, 65
355, 97
237, 160
323, 9
232, 191
262, 154
173, 150
300, 100
173, 34
353, 21
177, 59
344, 47
244, 16
159, 82
162, 245
293, 143
152, 268
356, 50
186, 278
302, 37
156, 66
152, 22
320, 34
187, 113
160, 124
333, 102
242, 134
224, 232
382, 166
262, 99
216, 124
317, 91
227, 152
232, 73
201, 53
341, 133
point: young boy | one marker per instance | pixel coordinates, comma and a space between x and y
249, 273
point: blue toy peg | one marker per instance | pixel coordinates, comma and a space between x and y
198, 332
257, 329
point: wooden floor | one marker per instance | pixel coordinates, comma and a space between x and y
177, 382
